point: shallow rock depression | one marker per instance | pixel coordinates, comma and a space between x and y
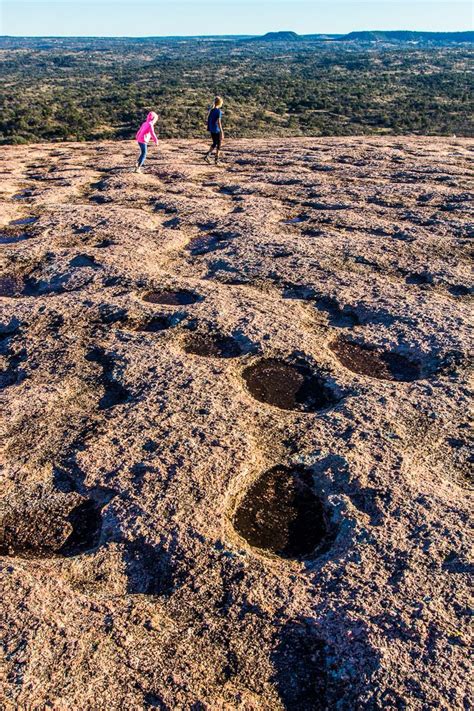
280, 513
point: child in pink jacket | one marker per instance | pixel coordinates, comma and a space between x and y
145, 133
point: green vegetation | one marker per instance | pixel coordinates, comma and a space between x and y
88, 89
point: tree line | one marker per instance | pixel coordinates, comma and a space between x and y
92, 89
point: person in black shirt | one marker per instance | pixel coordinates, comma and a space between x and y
214, 126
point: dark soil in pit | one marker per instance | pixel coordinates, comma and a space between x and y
287, 386
212, 345
382, 365
281, 513
43, 529
171, 298
153, 325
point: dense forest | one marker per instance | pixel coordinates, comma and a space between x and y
88, 89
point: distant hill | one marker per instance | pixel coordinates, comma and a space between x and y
277, 37
407, 36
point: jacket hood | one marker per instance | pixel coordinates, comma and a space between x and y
152, 116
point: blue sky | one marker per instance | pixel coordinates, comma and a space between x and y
196, 17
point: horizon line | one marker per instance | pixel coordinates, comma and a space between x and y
178, 36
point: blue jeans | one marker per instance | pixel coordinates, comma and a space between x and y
143, 150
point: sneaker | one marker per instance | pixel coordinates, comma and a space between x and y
206, 158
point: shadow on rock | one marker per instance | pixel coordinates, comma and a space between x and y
13, 354
114, 392
148, 569
299, 661
153, 701
86, 523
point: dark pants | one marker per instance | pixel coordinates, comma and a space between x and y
143, 150
216, 140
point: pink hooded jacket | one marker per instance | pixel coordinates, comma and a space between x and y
146, 130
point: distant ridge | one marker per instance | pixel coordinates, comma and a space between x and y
407, 36
370, 36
